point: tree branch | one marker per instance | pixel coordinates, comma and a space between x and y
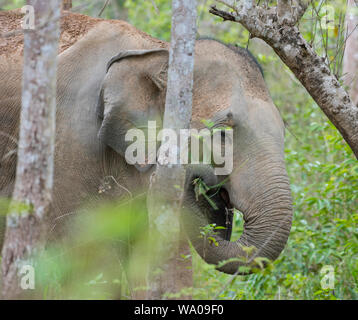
103, 8
223, 14
309, 68
300, 10
284, 11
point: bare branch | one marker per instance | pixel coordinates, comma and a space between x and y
103, 8
284, 11
289, 14
222, 14
310, 69
299, 11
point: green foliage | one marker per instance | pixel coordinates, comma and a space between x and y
13, 4
322, 169
145, 16
105, 249
324, 182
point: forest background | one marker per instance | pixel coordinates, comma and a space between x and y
322, 168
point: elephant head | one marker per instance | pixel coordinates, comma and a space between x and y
229, 90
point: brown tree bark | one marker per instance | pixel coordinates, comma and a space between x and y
30, 209
167, 184
277, 28
350, 60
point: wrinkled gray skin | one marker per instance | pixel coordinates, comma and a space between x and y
96, 108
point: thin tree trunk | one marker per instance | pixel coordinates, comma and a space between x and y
350, 62
30, 209
167, 184
277, 28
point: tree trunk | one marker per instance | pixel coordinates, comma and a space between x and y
277, 28
30, 209
167, 184
350, 62
67, 4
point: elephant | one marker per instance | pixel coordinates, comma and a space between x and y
111, 79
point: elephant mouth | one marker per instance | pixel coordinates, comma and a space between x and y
217, 210
224, 195
266, 210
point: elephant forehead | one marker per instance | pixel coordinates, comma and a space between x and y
210, 97
205, 107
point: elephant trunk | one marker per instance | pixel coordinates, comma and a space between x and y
262, 193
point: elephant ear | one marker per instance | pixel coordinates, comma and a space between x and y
157, 74
134, 53
155, 70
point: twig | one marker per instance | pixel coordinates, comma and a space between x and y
155, 7
103, 8
345, 41
223, 14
